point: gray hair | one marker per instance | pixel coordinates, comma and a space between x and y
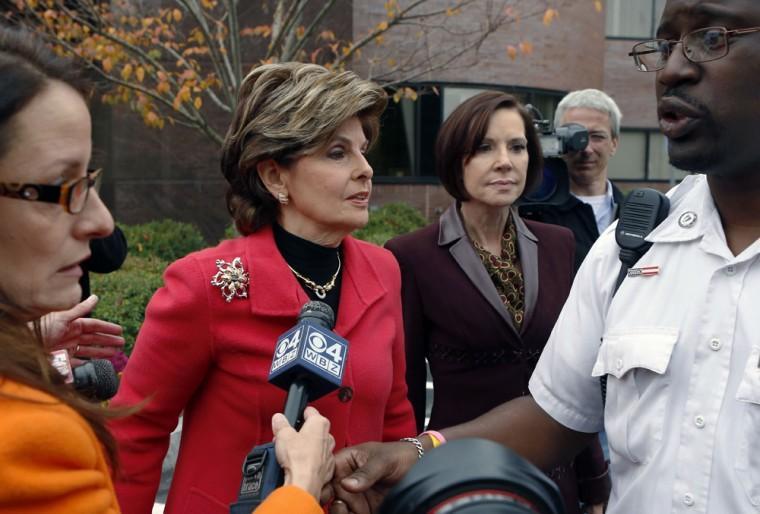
286, 111
590, 99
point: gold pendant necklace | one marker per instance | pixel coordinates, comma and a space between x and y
320, 290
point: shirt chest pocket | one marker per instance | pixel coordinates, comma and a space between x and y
636, 364
748, 456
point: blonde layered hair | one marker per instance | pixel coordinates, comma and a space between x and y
285, 111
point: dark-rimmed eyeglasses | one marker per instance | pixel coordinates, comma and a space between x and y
703, 45
71, 195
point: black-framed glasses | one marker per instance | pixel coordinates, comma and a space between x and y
71, 195
703, 45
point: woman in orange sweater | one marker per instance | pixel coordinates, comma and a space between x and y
55, 451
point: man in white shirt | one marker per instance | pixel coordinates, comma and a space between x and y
593, 201
680, 344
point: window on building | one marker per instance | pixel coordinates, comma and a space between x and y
643, 155
659, 166
393, 153
453, 96
629, 162
404, 150
633, 18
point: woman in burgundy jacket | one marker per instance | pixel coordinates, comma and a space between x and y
299, 183
482, 288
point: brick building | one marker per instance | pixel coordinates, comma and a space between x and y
175, 173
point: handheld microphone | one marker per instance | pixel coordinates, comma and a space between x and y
309, 361
95, 379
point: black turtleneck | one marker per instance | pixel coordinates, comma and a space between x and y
311, 260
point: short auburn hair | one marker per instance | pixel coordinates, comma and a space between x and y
463, 132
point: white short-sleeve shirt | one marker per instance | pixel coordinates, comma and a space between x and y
681, 348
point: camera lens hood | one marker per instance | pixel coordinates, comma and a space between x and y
554, 188
473, 476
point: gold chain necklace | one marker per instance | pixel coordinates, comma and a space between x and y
321, 291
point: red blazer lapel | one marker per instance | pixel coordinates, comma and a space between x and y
362, 286
273, 290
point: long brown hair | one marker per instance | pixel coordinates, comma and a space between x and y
26, 68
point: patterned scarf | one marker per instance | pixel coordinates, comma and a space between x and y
505, 272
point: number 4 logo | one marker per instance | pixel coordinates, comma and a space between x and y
336, 352
289, 343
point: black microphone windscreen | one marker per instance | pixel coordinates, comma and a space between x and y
96, 379
319, 313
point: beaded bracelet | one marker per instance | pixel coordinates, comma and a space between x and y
436, 437
417, 444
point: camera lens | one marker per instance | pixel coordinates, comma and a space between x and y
473, 476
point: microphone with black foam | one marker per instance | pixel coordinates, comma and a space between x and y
309, 361
95, 379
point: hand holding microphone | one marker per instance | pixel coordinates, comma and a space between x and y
309, 361
95, 379
305, 456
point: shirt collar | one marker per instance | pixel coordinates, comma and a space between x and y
692, 212
608, 196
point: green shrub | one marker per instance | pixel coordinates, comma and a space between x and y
124, 294
166, 239
231, 232
390, 220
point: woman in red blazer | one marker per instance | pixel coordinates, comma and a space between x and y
299, 184
482, 288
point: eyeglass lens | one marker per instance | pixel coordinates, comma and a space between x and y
78, 195
80, 190
698, 46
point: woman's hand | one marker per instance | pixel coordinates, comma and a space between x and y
306, 455
82, 337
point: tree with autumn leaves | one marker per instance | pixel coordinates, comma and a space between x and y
181, 61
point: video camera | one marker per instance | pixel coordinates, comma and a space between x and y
554, 188
570, 137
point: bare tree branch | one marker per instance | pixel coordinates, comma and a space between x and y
328, 5
234, 34
339, 60
429, 37
281, 24
286, 54
228, 84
